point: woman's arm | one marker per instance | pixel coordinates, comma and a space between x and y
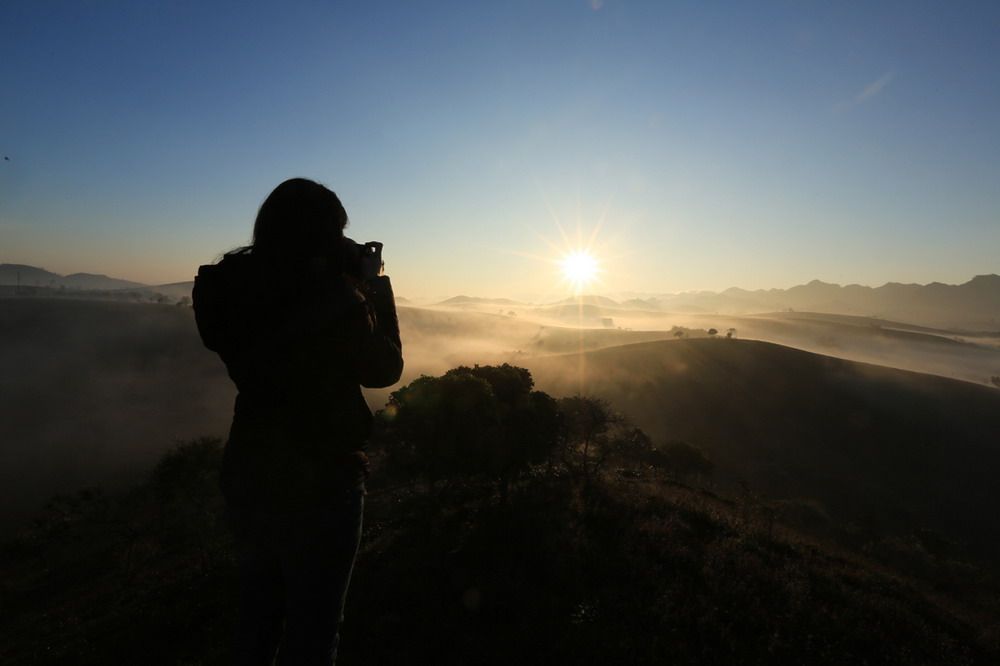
380, 359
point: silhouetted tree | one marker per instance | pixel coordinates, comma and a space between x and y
681, 458
509, 382
440, 424
591, 433
713, 332
527, 420
484, 420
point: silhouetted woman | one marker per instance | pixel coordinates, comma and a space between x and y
302, 318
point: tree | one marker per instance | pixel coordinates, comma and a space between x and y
682, 459
995, 380
591, 433
509, 382
527, 419
731, 333
484, 421
439, 425
713, 332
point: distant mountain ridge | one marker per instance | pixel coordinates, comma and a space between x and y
971, 306
974, 305
462, 300
32, 276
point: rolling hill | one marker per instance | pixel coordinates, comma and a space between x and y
842, 493
880, 448
121, 381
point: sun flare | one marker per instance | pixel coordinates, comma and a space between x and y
579, 268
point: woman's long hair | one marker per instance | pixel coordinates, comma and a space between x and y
299, 221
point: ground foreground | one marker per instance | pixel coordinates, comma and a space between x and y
638, 568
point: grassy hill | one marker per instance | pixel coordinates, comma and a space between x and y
97, 389
849, 516
971, 358
634, 571
962, 355
882, 449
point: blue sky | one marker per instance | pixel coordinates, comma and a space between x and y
708, 144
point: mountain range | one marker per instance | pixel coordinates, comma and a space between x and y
32, 276
971, 306
974, 304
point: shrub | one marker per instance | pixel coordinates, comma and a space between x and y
484, 420
681, 458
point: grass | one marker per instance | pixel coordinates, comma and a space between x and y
635, 571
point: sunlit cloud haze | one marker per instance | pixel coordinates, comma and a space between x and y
708, 146
874, 88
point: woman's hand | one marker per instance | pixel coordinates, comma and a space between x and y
371, 260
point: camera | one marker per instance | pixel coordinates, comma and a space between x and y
362, 260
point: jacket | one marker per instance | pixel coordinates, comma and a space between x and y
299, 345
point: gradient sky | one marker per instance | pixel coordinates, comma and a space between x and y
754, 144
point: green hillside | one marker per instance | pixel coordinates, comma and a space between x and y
882, 449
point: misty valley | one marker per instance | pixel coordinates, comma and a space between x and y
845, 445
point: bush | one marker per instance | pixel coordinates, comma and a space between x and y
480, 421
682, 459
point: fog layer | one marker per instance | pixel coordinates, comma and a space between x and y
94, 391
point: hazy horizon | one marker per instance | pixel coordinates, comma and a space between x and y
536, 298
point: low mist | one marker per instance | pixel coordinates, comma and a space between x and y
95, 390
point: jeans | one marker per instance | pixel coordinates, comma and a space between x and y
294, 570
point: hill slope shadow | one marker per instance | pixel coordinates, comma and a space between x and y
886, 449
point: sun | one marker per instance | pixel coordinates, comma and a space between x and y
579, 269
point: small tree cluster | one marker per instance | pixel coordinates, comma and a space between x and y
488, 421
484, 420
